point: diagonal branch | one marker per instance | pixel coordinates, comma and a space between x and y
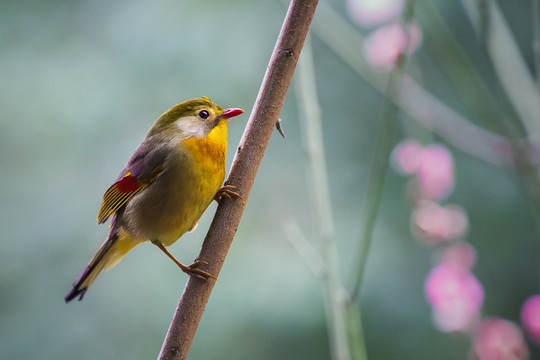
243, 170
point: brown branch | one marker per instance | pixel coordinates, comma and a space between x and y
244, 168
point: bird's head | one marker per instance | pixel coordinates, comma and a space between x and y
193, 118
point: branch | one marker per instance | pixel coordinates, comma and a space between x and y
243, 170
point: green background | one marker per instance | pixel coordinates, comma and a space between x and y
82, 81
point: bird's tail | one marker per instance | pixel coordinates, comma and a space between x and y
110, 253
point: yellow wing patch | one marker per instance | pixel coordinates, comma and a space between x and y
114, 199
122, 191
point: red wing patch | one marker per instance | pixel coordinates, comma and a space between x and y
128, 184
118, 195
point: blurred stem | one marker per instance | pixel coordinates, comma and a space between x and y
460, 71
304, 248
536, 39
416, 101
509, 65
317, 175
467, 82
356, 331
520, 87
425, 108
379, 165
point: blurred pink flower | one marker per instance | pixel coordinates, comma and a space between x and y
373, 12
458, 220
530, 317
433, 165
461, 254
498, 339
433, 223
383, 46
436, 172
458, 314
406, 157
455, 295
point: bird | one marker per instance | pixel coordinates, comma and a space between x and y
166, 186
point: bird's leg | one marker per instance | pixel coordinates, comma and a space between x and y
191, 269
228, 191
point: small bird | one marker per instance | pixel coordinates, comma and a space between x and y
166, 186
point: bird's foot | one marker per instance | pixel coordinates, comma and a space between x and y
193, 270
228, 191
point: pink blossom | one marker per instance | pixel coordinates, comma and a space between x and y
455, 295
530, 317
433, 165
434, 223
373, 12
498, 339
383, 46
458, 220
436, 172
461, 254
445, 283
406, 157
458, 314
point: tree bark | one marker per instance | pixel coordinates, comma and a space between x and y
246, 162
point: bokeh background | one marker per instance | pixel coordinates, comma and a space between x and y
82, 81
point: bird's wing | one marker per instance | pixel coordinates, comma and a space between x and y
143, 168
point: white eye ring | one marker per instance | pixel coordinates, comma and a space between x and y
203, 114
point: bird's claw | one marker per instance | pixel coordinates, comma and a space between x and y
228, 191
193, 270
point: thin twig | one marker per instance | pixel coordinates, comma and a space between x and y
243, 170
304, 248
356, 331
379, 166
317, 176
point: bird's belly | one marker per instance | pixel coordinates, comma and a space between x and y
174, 203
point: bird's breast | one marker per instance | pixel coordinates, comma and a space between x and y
174, 203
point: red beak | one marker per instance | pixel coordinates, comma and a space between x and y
229, 113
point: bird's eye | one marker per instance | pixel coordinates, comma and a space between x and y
203, 114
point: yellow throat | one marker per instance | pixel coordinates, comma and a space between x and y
211, 150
